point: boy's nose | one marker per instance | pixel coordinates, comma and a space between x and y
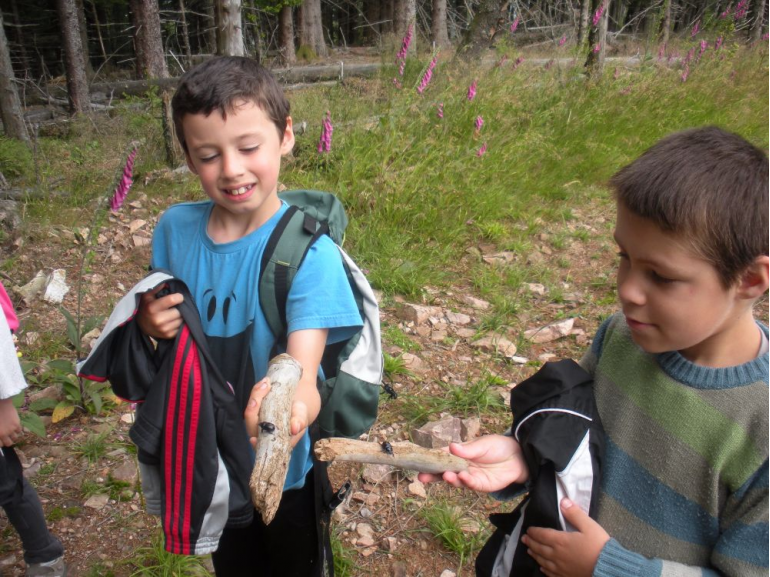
630, 290
231, 165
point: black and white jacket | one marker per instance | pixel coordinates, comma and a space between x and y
194, 454
556, 422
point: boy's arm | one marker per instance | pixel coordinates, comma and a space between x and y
307, 346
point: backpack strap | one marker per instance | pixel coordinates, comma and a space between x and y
286, 248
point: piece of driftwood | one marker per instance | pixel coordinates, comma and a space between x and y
402, 455
274, 436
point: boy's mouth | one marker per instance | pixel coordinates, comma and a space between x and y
238, 191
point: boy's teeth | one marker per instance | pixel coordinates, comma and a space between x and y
241, 190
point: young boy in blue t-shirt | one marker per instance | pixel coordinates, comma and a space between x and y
680, 378
233, 122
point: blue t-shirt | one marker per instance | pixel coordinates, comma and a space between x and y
224, 282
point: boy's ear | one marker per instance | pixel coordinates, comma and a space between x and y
287, 144
753, 282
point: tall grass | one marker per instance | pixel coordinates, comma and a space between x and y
418, 195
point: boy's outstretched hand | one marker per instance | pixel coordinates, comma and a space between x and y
496, 461
298, 422
567, 554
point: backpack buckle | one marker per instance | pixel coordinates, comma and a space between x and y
339, 496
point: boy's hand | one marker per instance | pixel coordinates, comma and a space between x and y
298, 422
496, 461
10, 426
251, 414
567, 554
158, 317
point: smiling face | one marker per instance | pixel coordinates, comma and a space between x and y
238, 159
673, 300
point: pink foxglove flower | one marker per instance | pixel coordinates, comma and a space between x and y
483, 150
703, 46
686, 73
405, 43
741, 9
401, 68
479, 123
121, 191
726, 13
472, 90
562, 40
661, 52
427, 76
518, 62
514, 25
325, 143
695, 29
597, 48
598, 15
502, 61
440, 110
397, 83
765, 37
718, 43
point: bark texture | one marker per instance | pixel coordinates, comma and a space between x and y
286, 29
77, 83
274, 437
10, 105
311, 29
438, 27
229, 28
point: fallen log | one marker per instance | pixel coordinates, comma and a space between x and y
273, 449
401, 455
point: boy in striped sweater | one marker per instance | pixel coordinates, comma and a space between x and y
680, 377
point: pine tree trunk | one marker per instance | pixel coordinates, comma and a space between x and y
489, 20
404, 16
758, 14
585, 15
149, 42
597, 37
286, 28
387, 17
373, 16
185, 35
665, 30
10, 105
229, 28
438, 24
77, 83
82, 24
311, 30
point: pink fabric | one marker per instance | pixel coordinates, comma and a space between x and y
7, 306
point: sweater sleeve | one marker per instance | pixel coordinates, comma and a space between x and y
11, 378
740, 551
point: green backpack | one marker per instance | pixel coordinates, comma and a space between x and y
352, 368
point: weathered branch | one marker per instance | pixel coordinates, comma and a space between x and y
405, 455
274, 437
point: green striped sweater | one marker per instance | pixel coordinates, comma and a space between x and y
685, 479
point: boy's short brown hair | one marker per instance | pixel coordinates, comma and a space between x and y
707, 185
222, 82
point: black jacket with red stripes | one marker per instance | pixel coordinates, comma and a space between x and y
194, 455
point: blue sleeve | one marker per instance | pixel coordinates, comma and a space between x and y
320, 295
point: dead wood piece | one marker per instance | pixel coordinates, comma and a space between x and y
274, 436
402, 455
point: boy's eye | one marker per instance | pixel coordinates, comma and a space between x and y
208, 158
250, 149
661, 279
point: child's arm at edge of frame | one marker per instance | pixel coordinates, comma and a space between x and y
10, 425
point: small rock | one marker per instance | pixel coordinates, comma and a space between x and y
469, 428
475, 303
465, 333
519, 360
536, 288
437, 434
398, 569
550, 332
496, 344
414, 363
545, 357
364, 530
140, 241
56, 287
389, 543
500, 258
448, 573
127, 417
417, 314
135, 225
30, 338
377, 473
366, 541
417, 488
368, 551
126, 472
97, 501
458, 319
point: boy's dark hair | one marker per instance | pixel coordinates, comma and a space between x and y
708, 185
220, 83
